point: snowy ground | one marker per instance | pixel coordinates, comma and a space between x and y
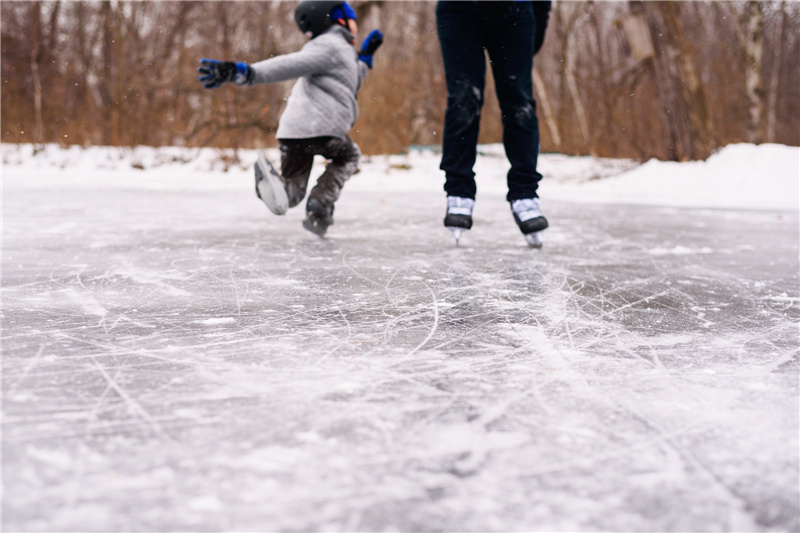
176, 358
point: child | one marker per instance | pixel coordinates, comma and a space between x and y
320, 112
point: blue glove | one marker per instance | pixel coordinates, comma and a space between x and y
217, 73
373, 41
344, 11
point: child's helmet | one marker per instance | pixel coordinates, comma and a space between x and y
313, 17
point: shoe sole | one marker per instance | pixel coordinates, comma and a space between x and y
533, 225
269, 186
317, 219
315, 226
458, 221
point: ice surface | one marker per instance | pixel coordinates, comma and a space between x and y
177, 358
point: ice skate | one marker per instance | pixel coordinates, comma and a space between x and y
270, 187
529, 218
318, 217
459, 215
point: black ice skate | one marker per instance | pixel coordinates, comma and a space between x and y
459, 215
529, 218
318, 217
270, 187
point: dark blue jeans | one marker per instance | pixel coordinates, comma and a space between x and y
506, 30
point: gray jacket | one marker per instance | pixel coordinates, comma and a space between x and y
323, 101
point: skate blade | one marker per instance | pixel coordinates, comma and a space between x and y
534, 239
316, 227
457, 232
269, 187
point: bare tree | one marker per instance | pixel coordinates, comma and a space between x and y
682, 95
772, 113
36, 34
672, 80
751, 35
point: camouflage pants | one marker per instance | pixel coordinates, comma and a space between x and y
297, 157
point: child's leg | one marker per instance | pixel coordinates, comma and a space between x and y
297, 156
343, 155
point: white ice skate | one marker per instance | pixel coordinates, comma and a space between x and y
459, 215
270, 187
528, 216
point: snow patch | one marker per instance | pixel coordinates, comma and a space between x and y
217, 321
742, 176
739, 176
680, 250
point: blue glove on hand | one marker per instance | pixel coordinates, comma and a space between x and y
373, 41
217, 73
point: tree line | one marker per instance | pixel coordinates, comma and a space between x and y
671, 80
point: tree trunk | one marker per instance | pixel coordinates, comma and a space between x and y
753, 33
772, 112
547, 109
567, 15
683, 97
577, 102
660, 78
107, 96
36, 37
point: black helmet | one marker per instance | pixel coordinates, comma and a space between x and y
313, 17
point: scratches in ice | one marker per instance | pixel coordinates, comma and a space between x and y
434, 326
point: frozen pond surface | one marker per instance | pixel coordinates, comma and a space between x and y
183, 360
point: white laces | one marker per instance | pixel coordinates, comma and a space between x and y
526, 208
457, 205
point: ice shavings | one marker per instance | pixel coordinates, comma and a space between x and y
680, 250
217, 321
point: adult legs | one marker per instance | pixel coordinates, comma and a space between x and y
510, 43
460, 35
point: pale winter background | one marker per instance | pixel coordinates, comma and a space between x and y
177, 358
670, 80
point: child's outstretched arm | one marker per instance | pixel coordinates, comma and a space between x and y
280, 68
310, 60
216, 73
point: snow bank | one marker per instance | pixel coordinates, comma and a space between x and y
740, 176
